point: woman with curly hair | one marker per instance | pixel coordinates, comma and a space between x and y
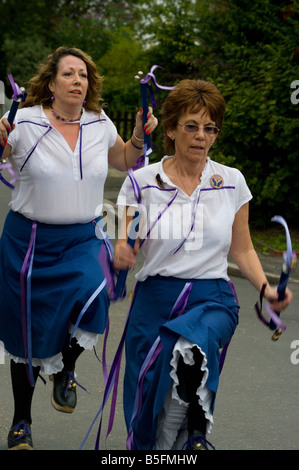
53, 294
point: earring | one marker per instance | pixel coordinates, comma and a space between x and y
52, 98
84, 102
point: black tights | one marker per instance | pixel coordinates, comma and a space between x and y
190, 378
23, 390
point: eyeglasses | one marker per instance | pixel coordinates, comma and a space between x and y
192, 128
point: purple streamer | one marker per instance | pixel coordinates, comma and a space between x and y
112, 381
81, 140
35, 145
151, 357
194, 213
17, 92
289, 257
87, 304
225, 348
192, 224
137, 193
273, 316
72, 377
151, 77
25, 285
8, 167
135, 185
158, 218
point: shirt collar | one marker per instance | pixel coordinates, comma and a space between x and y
165, 178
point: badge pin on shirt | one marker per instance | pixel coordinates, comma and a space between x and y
216, 181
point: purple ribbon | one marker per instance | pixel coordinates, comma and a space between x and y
225, 348
18, 93
146, 85
49, 128
18, 96
273, 316
111, 382
8, 167
177, 310
108, 281
135, 185
289, 254
160, 214
25, 284
71, 377
151, 77
289, 257
81, 142
87, 304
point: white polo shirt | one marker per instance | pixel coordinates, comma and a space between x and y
186, 237
56, 185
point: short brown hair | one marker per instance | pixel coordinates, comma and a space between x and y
190, 96
38, 87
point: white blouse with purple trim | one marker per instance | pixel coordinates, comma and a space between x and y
182, 236
56, 185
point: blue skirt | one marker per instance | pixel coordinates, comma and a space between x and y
209, 320
66, 272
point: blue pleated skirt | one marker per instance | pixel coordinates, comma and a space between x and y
209, 321
66, 272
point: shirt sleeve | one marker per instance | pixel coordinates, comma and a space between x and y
126, 195
112, 131
243, 194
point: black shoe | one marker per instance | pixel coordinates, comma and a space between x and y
64, 396
19, 437
197, 443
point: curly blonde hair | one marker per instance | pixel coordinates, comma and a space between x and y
190, 96
38, 86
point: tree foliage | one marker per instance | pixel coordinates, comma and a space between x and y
250, 50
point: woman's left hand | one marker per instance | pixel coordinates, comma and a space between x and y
150, 125
124, 255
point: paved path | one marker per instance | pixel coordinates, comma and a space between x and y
257, 403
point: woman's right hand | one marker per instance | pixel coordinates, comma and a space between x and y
124, 255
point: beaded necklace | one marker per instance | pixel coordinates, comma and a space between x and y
65, 119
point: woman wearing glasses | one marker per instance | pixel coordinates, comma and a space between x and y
184, 309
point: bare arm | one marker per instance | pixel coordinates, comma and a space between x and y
123, 156
124, 254
245, 256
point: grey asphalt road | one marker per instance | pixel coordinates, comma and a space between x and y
257, 403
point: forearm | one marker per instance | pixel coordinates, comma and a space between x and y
123, 156
133, 149
251, 268
124, 254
